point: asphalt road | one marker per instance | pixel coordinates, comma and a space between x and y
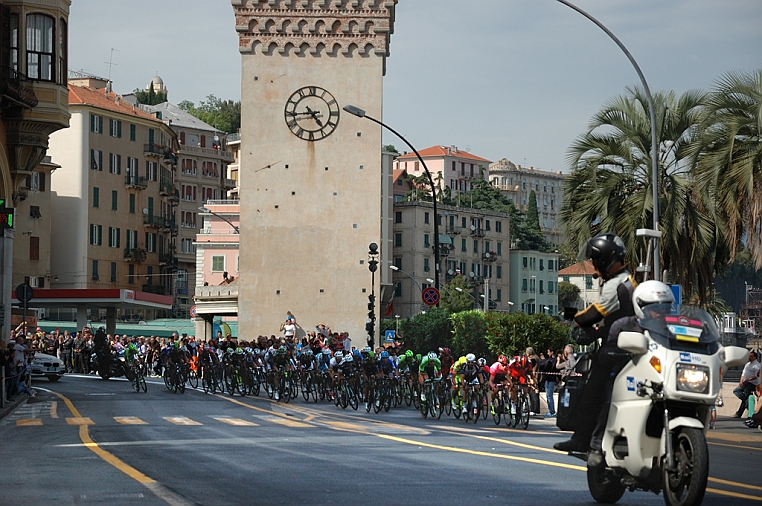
89, 441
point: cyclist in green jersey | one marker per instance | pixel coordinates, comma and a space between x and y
131, 354
430, 367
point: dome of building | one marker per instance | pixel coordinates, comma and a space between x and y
157, 83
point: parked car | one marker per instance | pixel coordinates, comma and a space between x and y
47, 366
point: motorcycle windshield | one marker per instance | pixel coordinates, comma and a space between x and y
690, 329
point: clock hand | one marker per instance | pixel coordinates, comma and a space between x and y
314, 115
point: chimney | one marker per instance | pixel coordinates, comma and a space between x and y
108, 87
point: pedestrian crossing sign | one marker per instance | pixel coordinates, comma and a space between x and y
389, 336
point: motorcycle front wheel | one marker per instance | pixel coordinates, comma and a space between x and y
604, 486
685, 485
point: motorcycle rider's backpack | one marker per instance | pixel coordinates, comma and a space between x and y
570, 392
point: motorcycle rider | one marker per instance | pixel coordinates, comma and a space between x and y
607, 252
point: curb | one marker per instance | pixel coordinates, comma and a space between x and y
11, 406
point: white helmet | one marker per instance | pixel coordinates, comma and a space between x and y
650, 292
470, 357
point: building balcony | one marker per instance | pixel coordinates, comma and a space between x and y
168, 225
225, 156
151, 221
138, 182
490, 256
154, 149
477, 232
135, 255
168, 260
452, 229
229, 184
17, 88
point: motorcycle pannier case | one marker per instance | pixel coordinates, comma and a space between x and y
569, 394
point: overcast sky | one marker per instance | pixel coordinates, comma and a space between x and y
516, 79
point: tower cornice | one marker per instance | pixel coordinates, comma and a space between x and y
315, 27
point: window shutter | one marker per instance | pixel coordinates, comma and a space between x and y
92, 122
100, 235
92, 234
119, 129
118, 237
118, 164
41, 185
110, 237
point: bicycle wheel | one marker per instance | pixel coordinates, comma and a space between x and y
313, 388
416, 395
398, 393
484, 403
143, 385
497, 409
240, 381
354, 401
193, 379
447, 400
407, 393
305, 387
180, 380
369, 399
168, 380
205, 383
388, 394
523, 411
458, 407
435, 404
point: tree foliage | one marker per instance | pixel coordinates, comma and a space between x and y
568, 294
453, 300
224, 115
427, 331
511, 333
150, 97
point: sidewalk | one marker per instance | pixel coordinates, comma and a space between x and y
19, 399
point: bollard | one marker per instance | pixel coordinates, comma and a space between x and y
751, 405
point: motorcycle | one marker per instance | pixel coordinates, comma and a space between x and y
111, 365
660, 407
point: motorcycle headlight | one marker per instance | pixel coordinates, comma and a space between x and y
693, 378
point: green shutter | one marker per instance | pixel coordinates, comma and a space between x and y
114, 200
118, 237
96, 197
119, 129
132, 132
132, 203
110, 232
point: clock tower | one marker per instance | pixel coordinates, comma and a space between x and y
310, 179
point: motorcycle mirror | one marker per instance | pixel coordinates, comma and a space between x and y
634, 342
735, 356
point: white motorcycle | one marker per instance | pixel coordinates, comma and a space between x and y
660, 408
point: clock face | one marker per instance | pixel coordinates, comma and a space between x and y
312, 113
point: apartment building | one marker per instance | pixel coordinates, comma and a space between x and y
518, 182
456, 168
114, 198
473, 243
202, 175
33, 57
535, 282
234, 169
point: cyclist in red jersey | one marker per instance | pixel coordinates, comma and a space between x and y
521, 370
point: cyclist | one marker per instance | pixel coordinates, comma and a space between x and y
484, 372
498, 377
429, 368
281, 362
386, 366
132, 355
520, 368
369, 368
468, 373
447, 360
324, 360
176, 356
455, 379
404, 364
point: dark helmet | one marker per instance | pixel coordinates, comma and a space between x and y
604, 250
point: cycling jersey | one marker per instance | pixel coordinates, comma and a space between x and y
520, 368
386, 366
447, 361
429, 367
130, 355
370, 366
281, 360
498, 371
469, 370
323, 362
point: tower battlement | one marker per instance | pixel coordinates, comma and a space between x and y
315, 27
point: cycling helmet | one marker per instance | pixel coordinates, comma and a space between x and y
445, 352
502, 360
281, 350
367, 349
604, 250
348, 359
384, 354
482, 362
356, 353
432, 355
132, 347
238, 351
176, 345
409, 353
651, 292
326, 351
247, 350
308, 352
371, 354
418, 357
229, 351
338, 354
470, 357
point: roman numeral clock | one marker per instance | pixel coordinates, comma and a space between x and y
312, 113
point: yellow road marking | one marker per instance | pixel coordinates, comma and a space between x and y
345, 425
482, 454
734, 484
236, 421
507, 442
28, 422
734, 494
181, 420
741, 447
129, 420
79, 420
517, 431
735, 438
287, 422
53, 409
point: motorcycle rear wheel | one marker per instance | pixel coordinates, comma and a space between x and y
604, 486
686, 484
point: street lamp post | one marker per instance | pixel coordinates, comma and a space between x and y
370, 327
356, 111
459, 289
420, 290
654, 136
534, 301
205, 210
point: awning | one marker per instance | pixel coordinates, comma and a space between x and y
97, 298
445, 239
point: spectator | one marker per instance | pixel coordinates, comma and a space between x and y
748, 383
66, 351
534, 394
549, 366
566, 362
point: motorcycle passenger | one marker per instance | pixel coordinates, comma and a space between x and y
607, 252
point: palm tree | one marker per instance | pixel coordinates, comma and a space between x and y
729, 160
609, 188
